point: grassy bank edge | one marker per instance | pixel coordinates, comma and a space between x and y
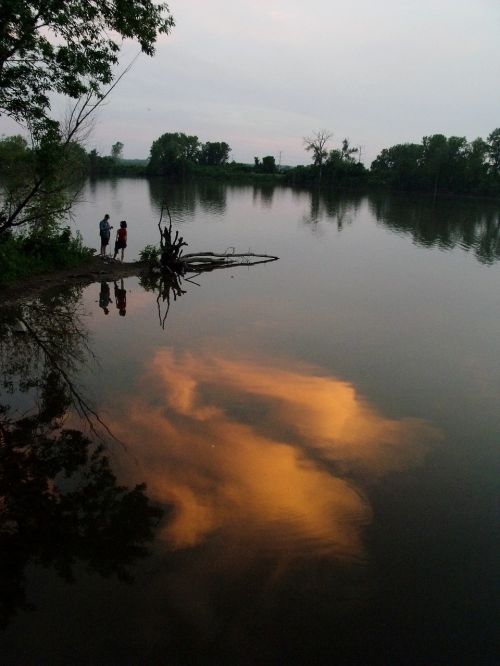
88, 271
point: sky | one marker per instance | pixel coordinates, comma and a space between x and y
263, 74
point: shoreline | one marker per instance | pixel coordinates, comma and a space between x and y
88, 272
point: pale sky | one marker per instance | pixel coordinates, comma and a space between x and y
262, 74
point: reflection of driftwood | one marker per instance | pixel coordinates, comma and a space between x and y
168, 286
166, 289
173, 260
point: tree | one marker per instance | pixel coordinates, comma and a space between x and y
116, 151
265, 165
398, 166
40, 182
477, 166
93, 162
317, 144
494, 150
434, 158
173, 154
340, 169
70, 48
268, 164
15, 160
439, 163
214, 153
335, 158
11, 149
347, 151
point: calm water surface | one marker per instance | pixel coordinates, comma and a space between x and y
318, 438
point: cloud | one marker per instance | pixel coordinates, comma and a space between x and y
266, 455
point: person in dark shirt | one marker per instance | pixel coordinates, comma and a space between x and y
104, 233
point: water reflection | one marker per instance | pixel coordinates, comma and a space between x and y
184, 199
168, 288
263, 194
40, 335
60, 502
212, 197
340, 208
472, 225
121, 298
105, 297
181, 198
276, 459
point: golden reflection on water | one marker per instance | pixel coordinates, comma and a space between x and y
266, 455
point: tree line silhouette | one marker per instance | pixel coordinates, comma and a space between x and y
438, 164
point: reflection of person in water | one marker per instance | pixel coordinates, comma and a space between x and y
104, 297
121, 298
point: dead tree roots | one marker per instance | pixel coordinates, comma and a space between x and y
175, 262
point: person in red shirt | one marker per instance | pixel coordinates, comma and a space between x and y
121, 239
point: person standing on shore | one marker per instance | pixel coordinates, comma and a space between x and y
121, 239
105, 233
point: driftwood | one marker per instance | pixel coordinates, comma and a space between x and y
208, 261
173, 261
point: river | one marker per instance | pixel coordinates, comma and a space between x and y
318, 437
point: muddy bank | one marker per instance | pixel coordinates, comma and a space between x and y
93, 270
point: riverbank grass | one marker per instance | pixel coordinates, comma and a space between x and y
23, 256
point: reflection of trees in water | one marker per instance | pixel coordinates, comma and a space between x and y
445, 223
330, 205
263, 193
212, 196
60, 503
39, 333
183, 198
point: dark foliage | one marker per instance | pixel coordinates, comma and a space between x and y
441, 164
174, 154
60, 503
23, 256
68, 48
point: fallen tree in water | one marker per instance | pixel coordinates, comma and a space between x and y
207, 261
171, 259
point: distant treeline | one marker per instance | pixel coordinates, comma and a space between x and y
114, 164
438, 164
441, 164
178, 156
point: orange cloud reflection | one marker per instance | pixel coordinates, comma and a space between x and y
250, 451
